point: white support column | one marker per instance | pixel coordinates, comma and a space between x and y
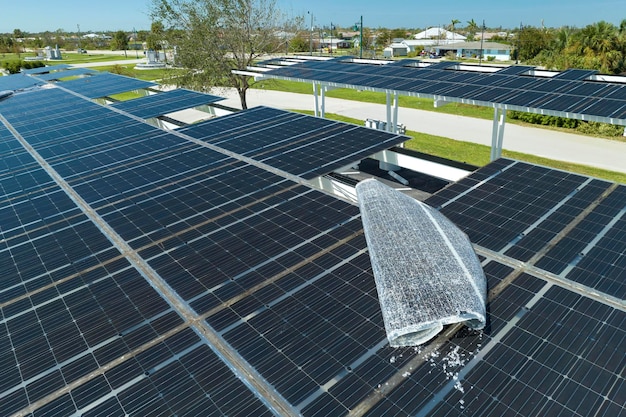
317, 105
501, 132
389, 121
497, 133
395, 112
323, 110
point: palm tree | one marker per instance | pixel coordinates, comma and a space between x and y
452, 24
472, 28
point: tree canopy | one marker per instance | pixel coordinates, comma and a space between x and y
600, 46
213, 37
120, 41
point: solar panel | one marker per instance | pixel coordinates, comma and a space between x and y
17, 82
442, 65
57, 75
526, 91
298, 144
45, 69
574, 74
143, 273
105, 84
164, 103
515, 70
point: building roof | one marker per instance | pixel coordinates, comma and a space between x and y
438, 33
476, 45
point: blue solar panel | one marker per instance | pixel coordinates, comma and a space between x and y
45, 69
166, 102
105, 84
57, 75
18, 82
151, 275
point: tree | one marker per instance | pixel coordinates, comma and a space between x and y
471, 28
452, 25
217, 36
532, 41
156, 35
599, 46
384, 37
299, 43
120, 41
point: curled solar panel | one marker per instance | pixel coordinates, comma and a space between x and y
426, 271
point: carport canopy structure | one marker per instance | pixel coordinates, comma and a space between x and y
574, 93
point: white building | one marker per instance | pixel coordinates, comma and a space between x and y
439, 36
499, 51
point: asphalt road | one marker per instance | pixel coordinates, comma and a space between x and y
597, 152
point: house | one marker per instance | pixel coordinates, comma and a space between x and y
500, 51
438, 36
397, 48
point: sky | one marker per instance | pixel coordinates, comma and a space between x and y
45, 15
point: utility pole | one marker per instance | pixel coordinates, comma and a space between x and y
311, 36
519, 35
361, 41
78, 27
136, 52
330, 46
482, 38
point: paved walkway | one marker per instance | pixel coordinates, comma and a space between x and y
597, 152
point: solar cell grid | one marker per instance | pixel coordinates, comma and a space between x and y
104, 84
17, 82
281, 273
164, 103
574, 74
592, 253
44, 69
57, 75
515, 70
544, 366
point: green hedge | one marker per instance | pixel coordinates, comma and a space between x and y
589, 128
14, 67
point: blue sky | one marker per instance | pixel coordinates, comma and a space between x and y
41, 15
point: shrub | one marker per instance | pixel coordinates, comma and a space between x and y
589, 128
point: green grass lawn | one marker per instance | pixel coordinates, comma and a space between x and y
71, 58
479, 155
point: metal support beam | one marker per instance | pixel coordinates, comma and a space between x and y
323, 109
497, 134
389, 121
395, 113
317, 105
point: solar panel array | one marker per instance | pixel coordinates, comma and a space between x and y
566, 93
46, 69
163, 103
105, 84
18, 82
145, 274
292, 142
73, 72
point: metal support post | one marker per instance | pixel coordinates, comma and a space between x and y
497, 134
317, 104
395, 112
323, 111
389, 121
361, 40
